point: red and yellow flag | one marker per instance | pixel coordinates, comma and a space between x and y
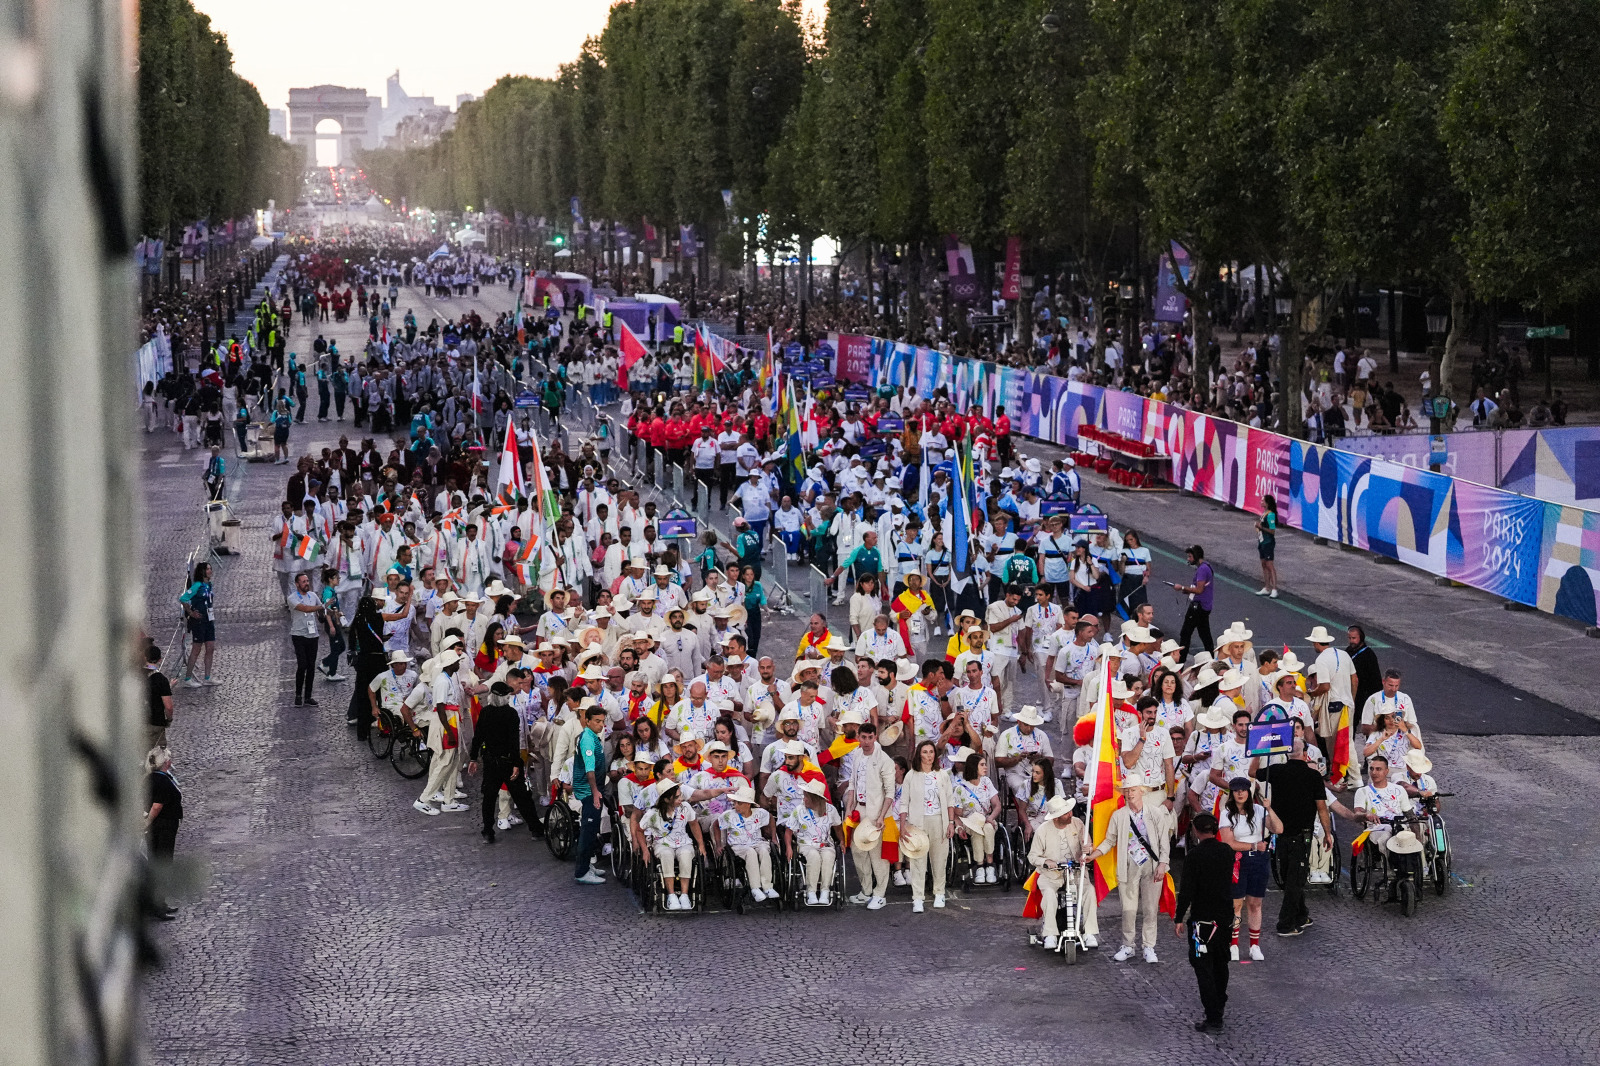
907, 604
841, 746
1104, 794
1033, 907
1169, 898
1341, 746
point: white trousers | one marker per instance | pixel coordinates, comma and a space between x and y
872, 870
442, 775
1140, 898
818, 866
675, 862
757, 865
1050, 885
937, 856
982, 844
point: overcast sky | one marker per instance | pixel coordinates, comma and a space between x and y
441, 50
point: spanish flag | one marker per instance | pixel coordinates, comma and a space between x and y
1104, 796
888, 847
807, 641
1341, 746
841, 746
907, 604
1033, 907
1358, 843
810, 772
1169, 899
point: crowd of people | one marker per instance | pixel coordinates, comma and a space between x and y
622, 671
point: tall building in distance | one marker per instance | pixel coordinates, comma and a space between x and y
331, 122
278, 122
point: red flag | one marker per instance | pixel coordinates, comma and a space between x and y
1033, 906
1169, 898
632, 349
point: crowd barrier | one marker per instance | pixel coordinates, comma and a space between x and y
1560, 464
1532, 551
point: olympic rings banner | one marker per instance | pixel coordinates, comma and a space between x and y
1528, 550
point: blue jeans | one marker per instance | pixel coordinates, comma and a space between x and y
588, 833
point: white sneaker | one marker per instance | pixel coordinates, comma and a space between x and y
825, 897
1262, 591
938, 903
811, 899
336, 677
191, 683
1233, 953
212, 682
672, 901
1255, 953
1150, 956
684, 902
1090, 940
512, 819
460, 795
992, 877
1050, 942
916, 906
1319, 878
877, 903
424, 808
900, 878
772, 893
605, 849
452, 808
861, 897
502, 825
437, 797
1273, 594
758, 895
1124, 953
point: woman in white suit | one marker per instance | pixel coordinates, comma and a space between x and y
929, 803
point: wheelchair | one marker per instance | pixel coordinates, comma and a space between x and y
561, 826
652, 897
1390, 877
621, 858
1334, 872
1430, 829
790, 875
963, 869
1070, 942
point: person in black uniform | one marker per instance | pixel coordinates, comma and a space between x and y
366, 640
497, 741
161, 820
1204, 916
1299, 799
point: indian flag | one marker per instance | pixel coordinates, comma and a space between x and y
306, 548
545, 508
509, 479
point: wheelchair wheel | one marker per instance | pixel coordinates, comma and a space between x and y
1441, 856
959, 864
621, 848
1002, 858
698, 885
1361, 867
1407, 890
380, 737
409, 756
1020, 869
560, 831
837, 901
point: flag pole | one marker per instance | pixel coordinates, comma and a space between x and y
1092, 781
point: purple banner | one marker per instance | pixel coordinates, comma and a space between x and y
1493, 541
855, 358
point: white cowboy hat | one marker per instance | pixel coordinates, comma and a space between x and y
762, 715
1119, 691
1169, 646
1197, 660
449, 658
1213, 718
960, 755
449, 597
1405, 842
743, 794
716, 746
1108, 650
648, 595
794, 747
691, 737
1417, 762
851, 717
1320, 635
890, 734
1231, 679
835, 643
814, 786
1058, 806
790, 713
974, 822
399, 657
1130, 783
513, 640
906, 670
1291, 664
666, 785
662, 571
601, 612
1236, 632
592, 673
865, 836
1029, 715
703, 596
914, 843
620, 604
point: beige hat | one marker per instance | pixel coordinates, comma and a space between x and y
1291, 664
1230, 680
545, 646
743, 794
794, 747
1137, 635
513, 640
1417, 762
865, 836
1234, 633
1206, 677
974, 822
1058, 806
449, 658
592, 673
1129, 784
1273, 678
802, 665
716, 746
906, 670
960, 755
1405, 842
814, 786
399, 657
662, 571
851, 717
1213, 719
1119, 691
1320, 635
449, 597
664, 786
1108, 650
702, 596
913, 843
836, 644
890, 733
1029, 715
621, 603
762, 714
1169, 646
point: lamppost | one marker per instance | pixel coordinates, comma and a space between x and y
1437, 313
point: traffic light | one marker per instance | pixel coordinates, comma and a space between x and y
559, 240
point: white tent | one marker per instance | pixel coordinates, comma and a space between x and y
471, 237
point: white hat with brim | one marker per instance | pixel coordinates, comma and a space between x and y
1058, 806
851, 717
890, 734
745, 794
1198, 659
905, 670
621, 603
1231, 680
1119, 691
794, 747
449, 658
1405, 842
399, 657
1320, 635
914, 843
865, 836
666, 785
1029, 715
974, 822
592, 673
1291, 664
1235, 634
717, 746
1213, 719
814, 786
1417, 762
1108, 650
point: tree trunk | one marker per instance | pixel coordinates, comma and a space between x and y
1291, 370
914, 292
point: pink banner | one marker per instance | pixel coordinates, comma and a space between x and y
855, 358
1267, 471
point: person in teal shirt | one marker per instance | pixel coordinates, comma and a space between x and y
588, 765
863, 560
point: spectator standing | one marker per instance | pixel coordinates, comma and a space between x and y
1197, 619
1267, 546
158, 693
162, 818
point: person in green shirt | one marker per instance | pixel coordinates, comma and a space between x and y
863, 559
747, 544
588, 766
1019, 569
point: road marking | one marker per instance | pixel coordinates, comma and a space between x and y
1285, 604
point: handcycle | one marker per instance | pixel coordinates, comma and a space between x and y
1070, 939
1394, 876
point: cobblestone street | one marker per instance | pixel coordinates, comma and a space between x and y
338, 926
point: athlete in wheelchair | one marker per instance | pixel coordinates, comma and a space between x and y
981, 848
674, 839
1058, 847
744, 859
811, 840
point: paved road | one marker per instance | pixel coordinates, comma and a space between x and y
340, 927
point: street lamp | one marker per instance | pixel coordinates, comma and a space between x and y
1437, 312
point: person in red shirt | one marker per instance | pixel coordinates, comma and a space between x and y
954, 427
655, 439
1002, 433
760, 427
699, 417
678, 437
